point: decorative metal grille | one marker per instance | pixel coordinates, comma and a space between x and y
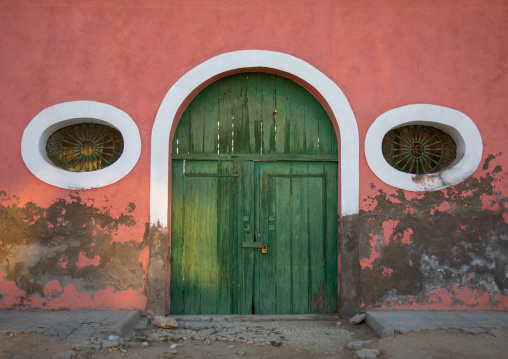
418, 149
85, 147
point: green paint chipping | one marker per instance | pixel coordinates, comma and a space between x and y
225, 201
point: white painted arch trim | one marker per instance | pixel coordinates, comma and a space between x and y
459, 126
181, 90
51, 119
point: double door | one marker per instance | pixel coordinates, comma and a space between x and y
253, 237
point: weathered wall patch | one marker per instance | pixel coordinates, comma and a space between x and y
70, 255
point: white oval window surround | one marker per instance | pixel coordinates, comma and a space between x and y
51, 119
456, 124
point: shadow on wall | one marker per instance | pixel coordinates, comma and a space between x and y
70, 255
437, 250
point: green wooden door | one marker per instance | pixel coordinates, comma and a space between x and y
297, 219
254, 161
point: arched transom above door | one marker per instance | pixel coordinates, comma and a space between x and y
255, 116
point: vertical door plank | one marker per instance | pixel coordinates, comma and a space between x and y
209, 115
283, 117
201, 238
316, 213
327, 136
255, 112
181, 140
297, 120
331, 239
244, 282
241, 123
226, 114
196, 119
268, 110
300, 239
311, 126
192, 229
177, 237
260, 184
283, 259
226, 209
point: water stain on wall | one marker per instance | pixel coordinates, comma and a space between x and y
71, 255
438, 250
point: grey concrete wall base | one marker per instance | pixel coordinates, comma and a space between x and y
378, 326
157, 280
349, 303
125, 326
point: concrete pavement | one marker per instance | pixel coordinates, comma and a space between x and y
387, 323
73, 326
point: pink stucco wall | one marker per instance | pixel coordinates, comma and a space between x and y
382, 54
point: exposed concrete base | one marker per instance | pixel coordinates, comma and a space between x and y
387, 323
125, 326
76, 325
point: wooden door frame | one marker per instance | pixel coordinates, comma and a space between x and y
174, 103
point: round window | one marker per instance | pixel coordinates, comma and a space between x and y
419, 149
423, 147
84, 147
81, 145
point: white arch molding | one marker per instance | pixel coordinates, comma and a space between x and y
248, 59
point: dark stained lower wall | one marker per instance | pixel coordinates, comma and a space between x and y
71, 254
438, 250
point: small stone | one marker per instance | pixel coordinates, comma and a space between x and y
113, 337
64, 355
367, 353
338, 323
250, 342
145, 344
240, 352
43, 349
495, 332
109, 344
206, 342
474, 331
172, 352
231, 340
81, 346
172, 346
231, 347
357, 319
165, 322
357, 344
123, 350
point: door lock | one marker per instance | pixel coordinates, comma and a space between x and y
264, 248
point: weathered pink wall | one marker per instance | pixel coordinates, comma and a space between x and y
382, 54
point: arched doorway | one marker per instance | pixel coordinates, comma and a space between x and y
172, 106
254, 201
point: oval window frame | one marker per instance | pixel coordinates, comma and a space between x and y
51, 119
455, 123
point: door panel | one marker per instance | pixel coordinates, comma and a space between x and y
203, 240
299, 272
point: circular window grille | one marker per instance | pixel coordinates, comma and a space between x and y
418, 149
84, 147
